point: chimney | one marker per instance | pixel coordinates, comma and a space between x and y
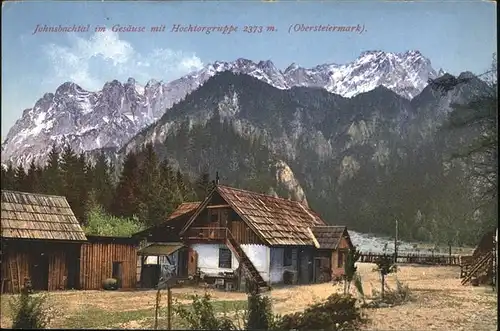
216, 178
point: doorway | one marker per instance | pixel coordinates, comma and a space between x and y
39, 271
117, 272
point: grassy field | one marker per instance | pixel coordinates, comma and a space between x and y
440, 303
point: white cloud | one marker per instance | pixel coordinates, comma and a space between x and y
105, 56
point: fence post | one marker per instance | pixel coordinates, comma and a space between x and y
169, 309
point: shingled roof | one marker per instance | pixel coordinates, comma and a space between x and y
175, 221
183, 208
37, 216
329, 237
276, 221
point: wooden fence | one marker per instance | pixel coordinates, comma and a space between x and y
415, 258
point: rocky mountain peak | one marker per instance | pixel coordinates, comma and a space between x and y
112, 116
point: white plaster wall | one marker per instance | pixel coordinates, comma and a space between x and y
208, 259
260, 257
276, 267
151, 260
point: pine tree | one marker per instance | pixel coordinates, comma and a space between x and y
152, 194
52, 182
8, 177
203, 186
128, 194
20, 183
185, 188
74, 186
34, 178
100, 176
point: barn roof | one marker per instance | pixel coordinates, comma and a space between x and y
329, 237
183, 208
38, 216
276, 221
174, 219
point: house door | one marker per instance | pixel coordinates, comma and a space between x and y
192, 262
182, 265
305, 267
73, 263
317, 270
39, 271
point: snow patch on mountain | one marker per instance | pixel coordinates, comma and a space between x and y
111, 117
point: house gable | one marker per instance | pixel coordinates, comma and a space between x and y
332, 237
276, 221
217, 212
168, 230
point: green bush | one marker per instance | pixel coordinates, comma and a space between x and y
102, 224
202, 316
385, 265
338, 312
399, 295
30, 311
392, 297
110, 284
260, 314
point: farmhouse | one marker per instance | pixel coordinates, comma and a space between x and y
235, 234
43, 242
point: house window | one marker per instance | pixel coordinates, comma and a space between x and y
214, 216
287, 257
340, 262
224, 258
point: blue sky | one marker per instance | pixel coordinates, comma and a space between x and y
455, 36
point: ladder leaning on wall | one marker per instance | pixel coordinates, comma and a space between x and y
15, 276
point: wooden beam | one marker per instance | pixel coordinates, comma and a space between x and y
218, 206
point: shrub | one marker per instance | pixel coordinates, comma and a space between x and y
202, 315
260, 315
392, 297
350, 269
338, 312
358, 283
385, 265
30, 311
102, 224
399, 295
110, 284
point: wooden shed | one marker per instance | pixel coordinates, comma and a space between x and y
108, 257
41, 241
336, 241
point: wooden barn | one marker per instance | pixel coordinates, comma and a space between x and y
236, 234
108, 257
480, 268
41, 241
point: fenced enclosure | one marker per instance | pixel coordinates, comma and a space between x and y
415, 258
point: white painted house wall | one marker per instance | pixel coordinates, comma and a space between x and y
208, 259
151, 260
260, 257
